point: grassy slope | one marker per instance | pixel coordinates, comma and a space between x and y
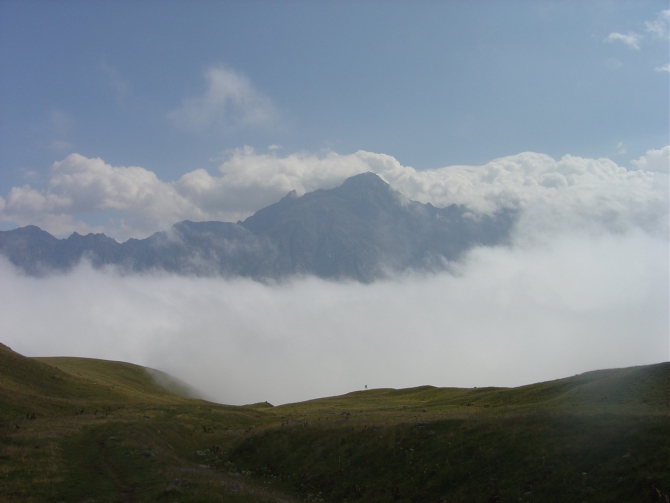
636, 390
106, 430
599, 436
72, 429
132, 380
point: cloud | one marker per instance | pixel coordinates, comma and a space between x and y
664, 68
230, 102
251, 181
508, 316
79, 185
654, 160
659, 27
570, 192
632, 40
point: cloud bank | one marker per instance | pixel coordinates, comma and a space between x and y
571, 191
509, 316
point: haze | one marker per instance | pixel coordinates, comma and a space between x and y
553, 303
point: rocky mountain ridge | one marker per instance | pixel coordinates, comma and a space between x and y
362, 230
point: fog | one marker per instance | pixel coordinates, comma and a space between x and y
582, 285
537, 310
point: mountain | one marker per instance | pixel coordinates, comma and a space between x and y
362, 230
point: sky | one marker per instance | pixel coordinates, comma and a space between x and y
127, 117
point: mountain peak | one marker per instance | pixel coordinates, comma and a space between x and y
368, 180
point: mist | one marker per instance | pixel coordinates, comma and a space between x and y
582, 284
537, 310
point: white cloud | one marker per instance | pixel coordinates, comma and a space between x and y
79, 185
632, 40
664, 68
230, 102
654, 160
509, 316
573, 191
248, 182
659, 27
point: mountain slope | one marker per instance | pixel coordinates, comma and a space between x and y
50, 385
105, 431
362, 230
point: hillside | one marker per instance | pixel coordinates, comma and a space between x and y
74, 429
635, 390
48, 385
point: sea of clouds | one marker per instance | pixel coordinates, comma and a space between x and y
583, 284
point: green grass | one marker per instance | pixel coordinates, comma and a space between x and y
73, 429
468, 459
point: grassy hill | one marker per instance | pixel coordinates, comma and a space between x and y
46, 386
77, 429
635, 390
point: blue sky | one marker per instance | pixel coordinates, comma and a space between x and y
432, 84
